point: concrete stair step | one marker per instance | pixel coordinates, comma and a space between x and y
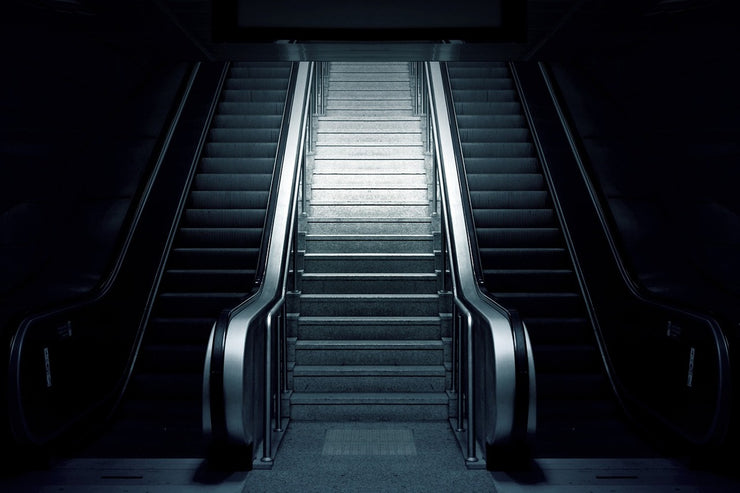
368, 104
369, 152
369, 379
369, 328
370, 119
376, 139
369, 262
366, 352
368, 225
391, 283
368, 77
358, 127
366, 305
362, 114
369, 210
353, 406
420, 243
364, 182
372, 94
370, 85
324, 196
369, 166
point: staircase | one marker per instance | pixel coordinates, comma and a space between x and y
527, 267
369, 340
211, 266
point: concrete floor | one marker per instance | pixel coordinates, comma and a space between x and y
369, 457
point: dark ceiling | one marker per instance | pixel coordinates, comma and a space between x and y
183, 29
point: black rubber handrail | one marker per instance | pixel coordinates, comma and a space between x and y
502, 449
220, 441
629, 293
78, 321
464, 186
521, 425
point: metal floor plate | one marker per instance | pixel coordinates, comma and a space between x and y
369, 442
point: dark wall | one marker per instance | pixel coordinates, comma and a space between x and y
81, 113
653, 94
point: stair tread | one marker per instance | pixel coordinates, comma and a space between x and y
369, 344
366, 320
369, 370
369, 398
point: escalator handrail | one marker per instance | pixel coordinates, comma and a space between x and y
19, 425
721, 417
224, 385
510, 346
272, 196
467, 203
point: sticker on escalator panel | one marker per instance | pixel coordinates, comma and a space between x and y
47, 367
690, 379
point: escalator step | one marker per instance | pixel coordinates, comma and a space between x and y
196, 304
261, 72
247, 121
214, 258
536, 304
554, 359
172, 359
188, 280
559, 330
256, 84
489, 164
491, 120
253, 96
222, 182
498, 149
460, 71
504, 218
506, 181
520, 237
179, 330
263, 108
233, 199
240, 149
485, 95
510, 199
536, 280
237, 165
218, 237
245, 134
223, 218
494, 134
502, 108
480, 83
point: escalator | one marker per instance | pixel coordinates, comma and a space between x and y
211, 266
526, 266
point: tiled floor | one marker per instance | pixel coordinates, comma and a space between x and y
370, 457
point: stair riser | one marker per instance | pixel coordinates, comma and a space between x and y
361, 211
369, 356
369, 227
366, 152
336, 383
370, 85
365, 286
374, 139
369, 166
369, 307
368, 265
369, 412
369, 246
401, 126
386, 331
